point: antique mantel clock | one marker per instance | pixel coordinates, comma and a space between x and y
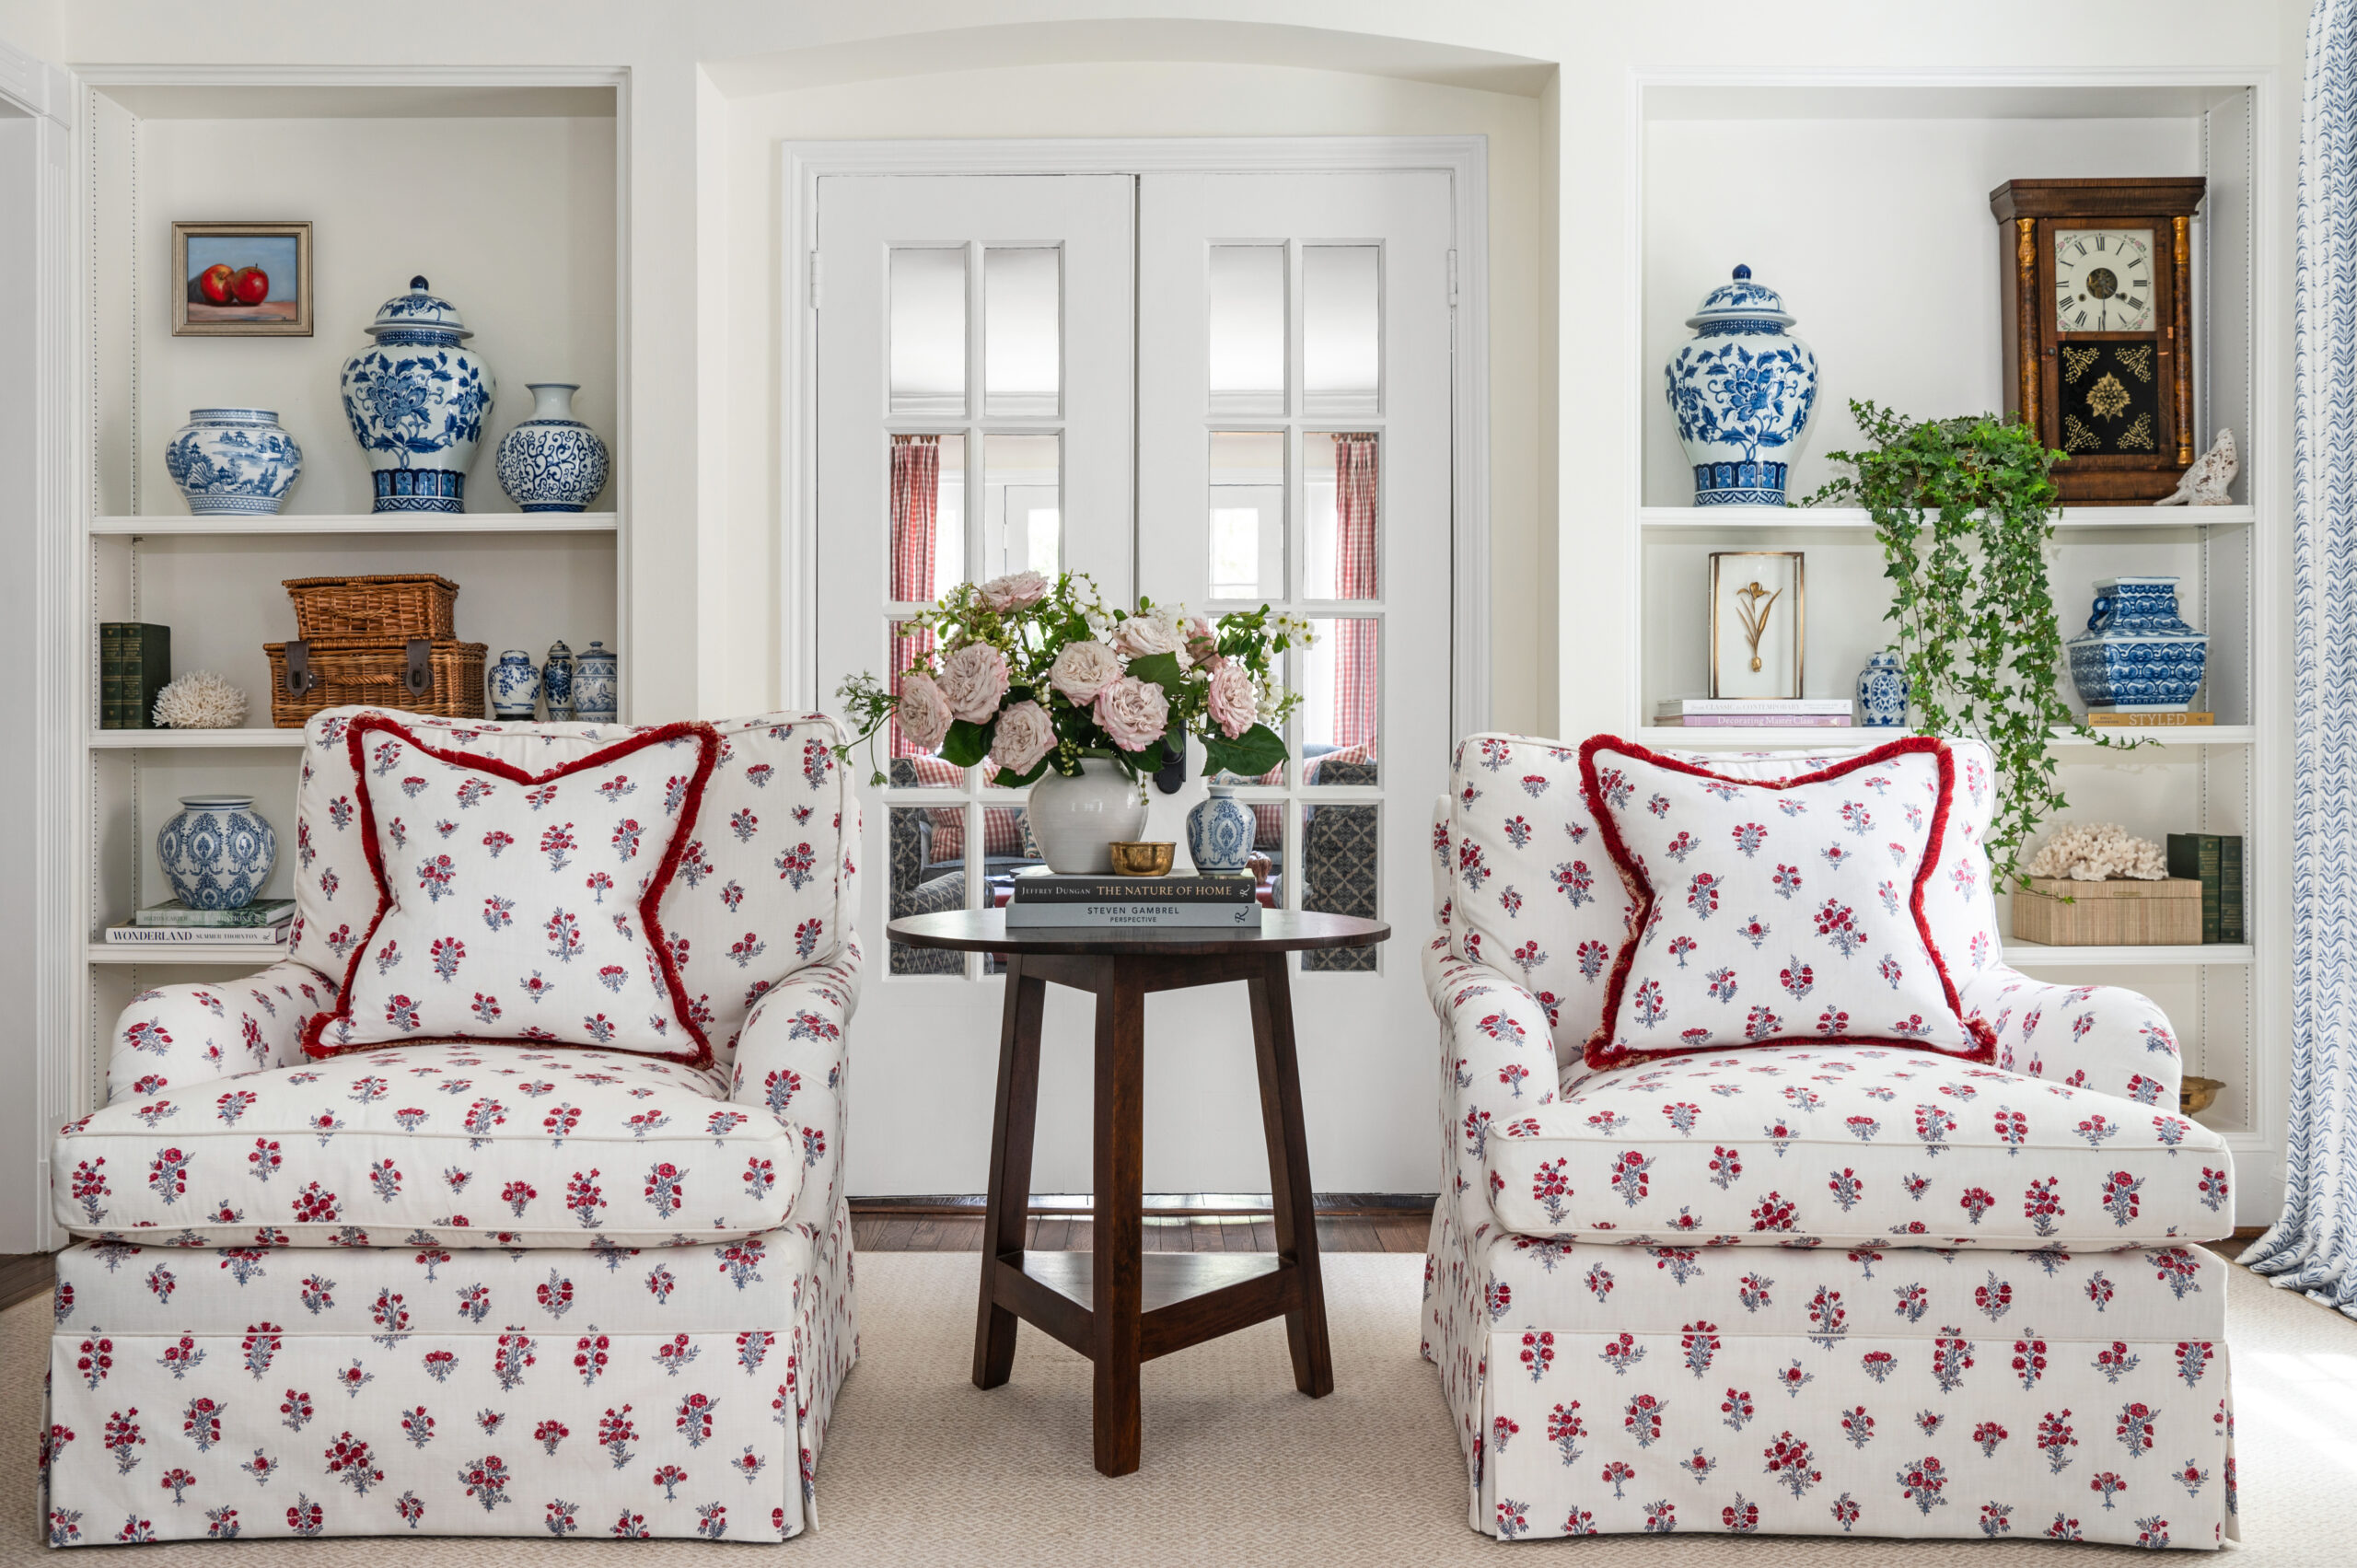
2099, 328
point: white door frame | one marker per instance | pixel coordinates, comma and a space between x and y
1464, 158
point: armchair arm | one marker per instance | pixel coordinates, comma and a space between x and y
1497, 1065
791, 1060
2104, 1037
179, 1036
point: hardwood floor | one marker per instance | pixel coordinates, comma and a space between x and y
23, 1275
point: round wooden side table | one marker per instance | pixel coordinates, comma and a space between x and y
1117, 1304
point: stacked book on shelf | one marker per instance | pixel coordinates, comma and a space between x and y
2215, 860
1754, 713
265, 923
1042, 899
2146, 719
135, 663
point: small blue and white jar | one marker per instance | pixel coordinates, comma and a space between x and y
551, 462
1883, 691
2137, 655
514, 686
556, 682
597, 682
1742, 391
217, 853
233, 463
416, 400
1220, 831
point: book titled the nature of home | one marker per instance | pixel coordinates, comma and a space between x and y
1043, 899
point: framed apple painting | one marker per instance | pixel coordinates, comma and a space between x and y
242, 279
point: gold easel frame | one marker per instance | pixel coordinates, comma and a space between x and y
1800, 607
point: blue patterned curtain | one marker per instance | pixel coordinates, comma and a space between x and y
2314, 1246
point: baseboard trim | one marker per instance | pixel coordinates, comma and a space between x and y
1159, 1205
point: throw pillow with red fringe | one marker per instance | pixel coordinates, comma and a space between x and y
516, 907
1779, 910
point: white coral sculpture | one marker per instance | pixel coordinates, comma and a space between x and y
2097, 851
200, 700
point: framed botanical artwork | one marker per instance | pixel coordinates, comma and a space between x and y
1758, 629
242, 280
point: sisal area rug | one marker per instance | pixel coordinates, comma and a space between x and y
924, 1468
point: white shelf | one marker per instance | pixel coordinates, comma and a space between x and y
2037, 955
372, 524
224, 955
193, 739
2070, 520
1678, 737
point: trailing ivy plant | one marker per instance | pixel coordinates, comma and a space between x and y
1963, 508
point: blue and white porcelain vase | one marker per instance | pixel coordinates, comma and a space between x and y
1742, 390
597, 684
217, 852
551, 462
1220, 831
556, 682
416, 401
2136, 654
1882, 691
514, 686
233, 463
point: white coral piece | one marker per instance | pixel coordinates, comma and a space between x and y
2095, 852
200, 700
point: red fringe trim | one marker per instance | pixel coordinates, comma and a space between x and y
1600, 1052
707, 756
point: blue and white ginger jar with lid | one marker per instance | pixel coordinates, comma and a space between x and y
596, 681
551, 462
217, 852
1742, 390
1220, 831
233, 463
416, 400
1882, 691
2136, 654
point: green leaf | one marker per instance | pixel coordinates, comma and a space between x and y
1003, 779
966, 743
1249, 755
1158, 670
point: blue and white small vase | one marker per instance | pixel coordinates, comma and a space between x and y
514, 685
217, 852
596, 681
1220, 831
416, 401
556, 682
1742, 390
233, 463
551, 462
1882, 691
2137, 655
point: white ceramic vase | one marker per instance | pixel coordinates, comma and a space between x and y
1075, 819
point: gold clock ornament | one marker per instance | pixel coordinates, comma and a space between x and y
2098, 337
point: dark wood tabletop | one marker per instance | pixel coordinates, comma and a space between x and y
1281, 930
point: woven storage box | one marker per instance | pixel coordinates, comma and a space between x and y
403, 606
2119, 913
375, 670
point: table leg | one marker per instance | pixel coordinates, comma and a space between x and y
1009, 1211
1296, 1219
1119, 1237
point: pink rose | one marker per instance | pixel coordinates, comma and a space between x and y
1231, 698
1023, 736
1202, 643
1082, 670
1133, 712
973, 680
1144, 635
924, 712
1013, 591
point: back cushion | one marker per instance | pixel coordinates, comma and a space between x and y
761, 887
1533, 891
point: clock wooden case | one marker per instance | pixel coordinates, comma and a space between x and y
2098, 332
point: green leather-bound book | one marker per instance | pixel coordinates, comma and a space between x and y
146, 670
111, 640
2196, 856
2230, 890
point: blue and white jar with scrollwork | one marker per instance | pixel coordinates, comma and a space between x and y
233, 463
596, 681
416, 400
1220, 831
551, 462
1742, 390
217, 852
1882, 691
2137, 655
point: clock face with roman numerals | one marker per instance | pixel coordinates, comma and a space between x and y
2103, 280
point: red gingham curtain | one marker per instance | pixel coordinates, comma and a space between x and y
1355, 549
916, 500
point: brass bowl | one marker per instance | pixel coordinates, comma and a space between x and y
1143, 859
2195, 1095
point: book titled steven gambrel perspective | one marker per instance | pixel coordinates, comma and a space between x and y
1042, 899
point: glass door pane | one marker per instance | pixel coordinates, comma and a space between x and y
926, 288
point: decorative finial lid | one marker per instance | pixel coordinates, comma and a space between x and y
419, 311
1741, 299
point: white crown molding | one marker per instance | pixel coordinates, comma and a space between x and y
161, 75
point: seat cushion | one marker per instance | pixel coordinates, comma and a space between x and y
457, 1145
1796, 1147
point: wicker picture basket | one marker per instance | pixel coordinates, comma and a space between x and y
2119, 913
418, 604
377, 670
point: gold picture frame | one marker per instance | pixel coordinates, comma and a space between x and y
279, 253
1759, 624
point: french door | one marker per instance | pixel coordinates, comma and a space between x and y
1218, 389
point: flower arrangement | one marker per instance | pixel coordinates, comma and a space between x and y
1031, 673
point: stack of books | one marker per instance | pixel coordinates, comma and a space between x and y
1754, 713
2131, 719
2215, 860
1042, 899
263, 923
135, 663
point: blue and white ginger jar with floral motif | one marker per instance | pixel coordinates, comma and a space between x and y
416, 401
233, 461
217, 852
2136, 654
551, 462
1220, 831
596, 679
515, 686
1742, 390
1882, 691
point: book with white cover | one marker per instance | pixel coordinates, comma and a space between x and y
199, 935
1718, 707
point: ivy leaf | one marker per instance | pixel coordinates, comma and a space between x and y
1249, 755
